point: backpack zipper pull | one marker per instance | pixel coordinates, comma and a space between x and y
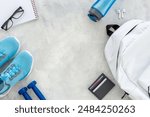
124, 95
149, 91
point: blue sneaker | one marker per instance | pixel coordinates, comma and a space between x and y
9, 47
18, 69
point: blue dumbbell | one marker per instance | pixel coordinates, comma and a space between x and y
24, 93
32, 86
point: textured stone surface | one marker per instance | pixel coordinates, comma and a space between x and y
68, 48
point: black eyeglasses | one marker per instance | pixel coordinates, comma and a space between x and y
16, 15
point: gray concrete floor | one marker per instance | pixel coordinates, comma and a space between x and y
68, 48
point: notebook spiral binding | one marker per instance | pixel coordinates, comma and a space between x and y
35, 9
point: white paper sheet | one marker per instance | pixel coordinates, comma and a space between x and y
7, 8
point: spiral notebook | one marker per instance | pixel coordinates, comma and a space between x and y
7, 8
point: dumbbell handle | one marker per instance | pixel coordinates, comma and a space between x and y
38, 93
26, 96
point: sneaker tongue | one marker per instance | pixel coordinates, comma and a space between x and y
1, 84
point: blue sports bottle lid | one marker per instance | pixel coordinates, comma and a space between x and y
99, 9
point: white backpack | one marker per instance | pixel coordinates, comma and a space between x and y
128, 56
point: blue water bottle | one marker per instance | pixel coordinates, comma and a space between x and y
100, 9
